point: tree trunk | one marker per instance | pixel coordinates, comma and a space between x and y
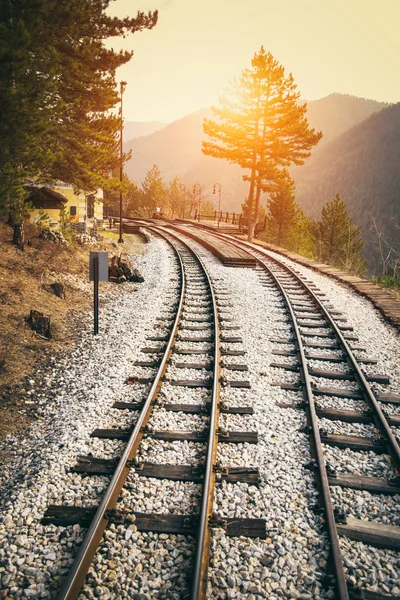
250, 220
19, 235
10, 219
254, 220
256, 209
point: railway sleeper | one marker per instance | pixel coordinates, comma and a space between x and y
158, 523
347, 416
372, 533
310, 316
208, 383
206, 325
326, 357
373, 377
386, 398
338, 359
185, 338
89, 465
350, 338
354, 442
208, 366
149, 350
231, 437
192, 351
188, 408
199, 320
374, 485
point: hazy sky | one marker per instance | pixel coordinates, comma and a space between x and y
198, 46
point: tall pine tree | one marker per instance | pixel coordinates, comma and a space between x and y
57, 87
337, 240
154, 193
282, 211
262, 127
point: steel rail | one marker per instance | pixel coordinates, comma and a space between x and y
340, 579
203, 539
77, 573
369, 396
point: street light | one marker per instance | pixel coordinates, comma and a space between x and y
219, 199
121, 241
197, 185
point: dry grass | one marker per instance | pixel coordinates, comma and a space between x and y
24, 280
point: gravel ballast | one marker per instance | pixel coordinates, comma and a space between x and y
291, 562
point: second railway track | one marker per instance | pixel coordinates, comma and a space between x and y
318, 346
190, 349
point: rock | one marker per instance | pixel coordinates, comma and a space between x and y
121, 270
58, 289
136, 276
53, 236
40, 323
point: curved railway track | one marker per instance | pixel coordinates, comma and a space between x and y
319, 334
196, 324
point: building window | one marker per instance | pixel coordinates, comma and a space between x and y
72, 210
90, 207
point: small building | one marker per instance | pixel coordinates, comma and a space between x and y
62, 202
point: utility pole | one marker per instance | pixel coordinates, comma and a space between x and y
120, 240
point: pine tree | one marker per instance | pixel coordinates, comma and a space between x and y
262, 127
57, 86
336, 238
300, 240
282, 211
155, 194
176, 199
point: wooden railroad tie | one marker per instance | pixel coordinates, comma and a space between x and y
188, 408
348, 416
160, 523
231, 437
339, 375
89, 465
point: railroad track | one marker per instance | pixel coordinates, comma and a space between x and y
197, 333
319, 337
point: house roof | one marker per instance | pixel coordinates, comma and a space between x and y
44, 197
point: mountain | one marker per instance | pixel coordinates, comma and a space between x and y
135, 129
359, 157
336, 113
176, 148
362, 165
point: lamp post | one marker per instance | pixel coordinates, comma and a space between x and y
197, 186
219, 199
120, 240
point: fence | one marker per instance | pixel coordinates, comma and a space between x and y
231, 218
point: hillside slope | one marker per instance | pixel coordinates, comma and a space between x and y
336, 113
363, 166
135, 129
174, 149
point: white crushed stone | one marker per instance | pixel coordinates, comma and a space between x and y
291, 561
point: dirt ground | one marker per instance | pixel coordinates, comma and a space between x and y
25, 278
